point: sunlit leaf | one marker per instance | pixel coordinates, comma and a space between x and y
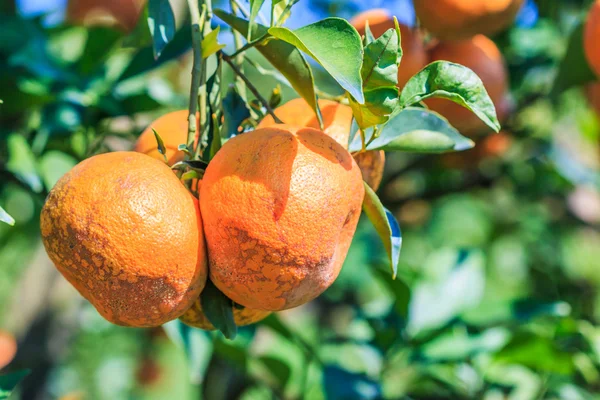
255, 6
161, 22
6, 218
334, 44
416, 130
162, 149
386, 226
381, 59
210, 43
454, 82
379, 105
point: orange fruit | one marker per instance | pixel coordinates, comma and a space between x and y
414, 58
462, 19
123, 14
242, 316
482, 56
8, 348
280, 207
173, 130
591, 36
593, 94
128, 236
337, 121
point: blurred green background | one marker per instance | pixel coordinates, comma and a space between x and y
497, 295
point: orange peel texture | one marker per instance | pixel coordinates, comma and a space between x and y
280, 207
591, 37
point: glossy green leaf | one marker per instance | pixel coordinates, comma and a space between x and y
6, 218
454, 82
416, 130
381, 59
161, 22
369, 38
162, 149
279, 11
334, 44
210, 43
255, 6
386, 226
379, 105
284, 57
196, 343
22, 163
219, 310
574, 69
9, 382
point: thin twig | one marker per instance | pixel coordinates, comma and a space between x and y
249, 45
193, 127
250, 86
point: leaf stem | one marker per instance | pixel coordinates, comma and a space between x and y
250, 86
249, 45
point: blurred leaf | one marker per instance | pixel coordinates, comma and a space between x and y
381, 60
459, 345
344, 385
436, 302
238, 355
574, 69
400, 290
219, 310
386, 226
215, 139
319, 39
7, 219
454, 82
255, 6
144, 60
161, 22
22, 163
196, 343
100, 41
278, 368
10, 381
284, 57
53, 165
278, 8
379, 104
210, 43
274, 322
415, 130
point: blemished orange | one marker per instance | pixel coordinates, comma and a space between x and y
462, 19
128, 236
242, 316
172, 129
280, 206
482, 56
593, 94
337, 122
591, 37
123, 14
414, 58
8, 348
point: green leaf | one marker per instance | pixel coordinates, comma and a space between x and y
6, 218
235, 111
416, 130
255, 6
386, 226
454, 82
189, 175
21, 162
278, 8
210, 43
334, 44
369, 38
100, 41
219, 310
574, 69
379, 104
161, 22
215, 139
284, 57
162, 149
279, 369
196, 343
53, 165
381, 60
10, 381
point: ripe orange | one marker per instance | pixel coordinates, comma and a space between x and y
242, 316
337, 121
593, 94
121, 13
8, 348
482, 56
591, 36
173, 130
462, 19
128, 235
280, 207
414, 58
